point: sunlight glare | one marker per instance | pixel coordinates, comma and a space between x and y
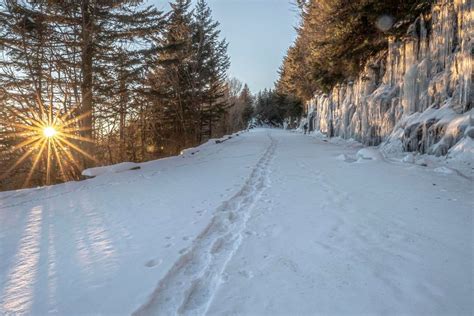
48, 140
49, 132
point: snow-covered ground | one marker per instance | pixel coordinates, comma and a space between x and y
268, 222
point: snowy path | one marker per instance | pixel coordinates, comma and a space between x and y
269, 222
189, 286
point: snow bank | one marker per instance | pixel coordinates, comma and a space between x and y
121, 167
463, 150
410, 158
194, 150
459, 160
393, 145
342, 157
369, 154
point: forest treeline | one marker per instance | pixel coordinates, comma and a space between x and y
276, 109
118, 80
336, 38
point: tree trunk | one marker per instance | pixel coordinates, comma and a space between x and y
87, 79
123, 113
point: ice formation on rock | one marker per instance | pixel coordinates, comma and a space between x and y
417, 96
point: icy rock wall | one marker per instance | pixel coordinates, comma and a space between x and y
410, 95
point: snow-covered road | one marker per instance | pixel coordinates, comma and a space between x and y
268, 222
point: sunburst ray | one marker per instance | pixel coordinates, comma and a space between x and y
52, 139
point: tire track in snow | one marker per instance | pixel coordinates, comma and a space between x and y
189, 286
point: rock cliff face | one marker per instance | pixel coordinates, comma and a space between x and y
417, 95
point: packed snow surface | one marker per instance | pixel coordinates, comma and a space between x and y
268, 222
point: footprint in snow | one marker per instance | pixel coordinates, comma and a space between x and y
200, 212
153, 263
246, 274
224, 277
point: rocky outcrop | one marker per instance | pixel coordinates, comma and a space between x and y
417, 95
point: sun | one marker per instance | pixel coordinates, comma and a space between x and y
51, 140
49, 132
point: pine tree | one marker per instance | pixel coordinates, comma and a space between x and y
172, 81
189, 80
247, 100
106, 26
212, 64
273, 107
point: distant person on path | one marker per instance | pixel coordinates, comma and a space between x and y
305, 126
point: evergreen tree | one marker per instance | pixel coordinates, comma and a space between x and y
173, 81
246, 99
212, 65
273, 107
189, 80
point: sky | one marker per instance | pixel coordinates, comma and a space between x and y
259, 32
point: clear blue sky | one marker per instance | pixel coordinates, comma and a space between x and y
259, 32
